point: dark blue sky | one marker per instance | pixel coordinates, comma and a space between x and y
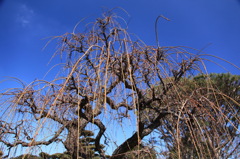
25, 25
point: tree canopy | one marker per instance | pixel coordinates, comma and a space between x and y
209, 127
110, 76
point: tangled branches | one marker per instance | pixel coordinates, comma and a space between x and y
107, 71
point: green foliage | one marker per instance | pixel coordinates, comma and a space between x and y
142, 152
206, 133
27, 156
59, 156
44, 155
87, 144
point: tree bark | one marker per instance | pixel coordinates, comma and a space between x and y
133, 141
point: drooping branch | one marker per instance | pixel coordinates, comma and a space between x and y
133, 141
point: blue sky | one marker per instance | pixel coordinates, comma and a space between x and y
26, 25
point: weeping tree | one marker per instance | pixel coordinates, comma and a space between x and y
109, 76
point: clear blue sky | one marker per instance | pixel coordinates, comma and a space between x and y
24, 25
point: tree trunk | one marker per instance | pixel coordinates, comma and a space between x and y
133, 141
71, 143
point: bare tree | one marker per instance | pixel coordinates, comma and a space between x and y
105, 70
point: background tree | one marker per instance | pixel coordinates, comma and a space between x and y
64, 155
27, 156
109, 73
209, 128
